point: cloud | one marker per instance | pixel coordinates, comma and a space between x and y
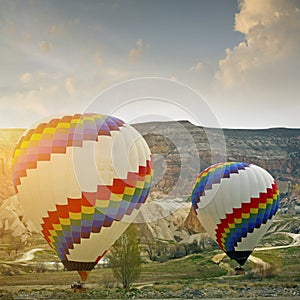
58, 30
50, 93
45, 46
26, 78
272, 42
260, 77
53, 29
135, 53
201, 67
117, 74
198, 67
98, 58
31, 101
41, 94
69, 86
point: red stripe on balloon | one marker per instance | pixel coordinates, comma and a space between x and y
245, 209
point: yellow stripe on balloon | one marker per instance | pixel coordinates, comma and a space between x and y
53, 233
245, 216
57, 227
88, 210
63, 125
24, 145
36, 137
64, 221
254, 211
262, 205
237, 220
17, 153
116, 197
75, 216
140, 184
102, 203
51, 239
77, 121
129, 190
49, 130
88, 118
148, 178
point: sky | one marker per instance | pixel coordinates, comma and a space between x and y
239, 59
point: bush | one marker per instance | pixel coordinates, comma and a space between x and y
40, 267
209, 269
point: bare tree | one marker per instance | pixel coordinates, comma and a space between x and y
149, 247
17, 243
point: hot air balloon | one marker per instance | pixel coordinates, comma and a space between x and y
82, 179
235, 202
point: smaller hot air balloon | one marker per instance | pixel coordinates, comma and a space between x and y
235, 203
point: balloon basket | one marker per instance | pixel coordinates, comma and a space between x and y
78, 287
239, 270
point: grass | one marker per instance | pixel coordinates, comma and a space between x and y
275, 239
197, 267
178, 277
195, 271
285, 262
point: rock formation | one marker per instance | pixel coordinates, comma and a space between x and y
180, 151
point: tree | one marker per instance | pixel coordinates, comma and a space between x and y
16, 243
125, 258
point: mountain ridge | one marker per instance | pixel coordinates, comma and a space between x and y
174, 146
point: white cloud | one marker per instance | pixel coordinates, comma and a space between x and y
43, 94
45, 46
98, 58
198, 67
258, 81
114, 74
59, 29
69, 86
53, 29
202, 67
47, 94
136, 52
31, 101
26, 78
272, 44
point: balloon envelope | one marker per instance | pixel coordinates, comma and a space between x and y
235, 202
81, 179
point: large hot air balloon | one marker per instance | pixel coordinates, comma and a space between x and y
235, 202
81, 180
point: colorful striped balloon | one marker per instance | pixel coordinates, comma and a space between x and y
81, 180
235, 202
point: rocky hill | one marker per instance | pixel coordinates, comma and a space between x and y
8, 139
180, 151
185, 149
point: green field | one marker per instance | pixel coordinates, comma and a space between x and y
270, 273
194, 276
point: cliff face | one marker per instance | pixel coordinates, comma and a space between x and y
276, 150
8, 139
